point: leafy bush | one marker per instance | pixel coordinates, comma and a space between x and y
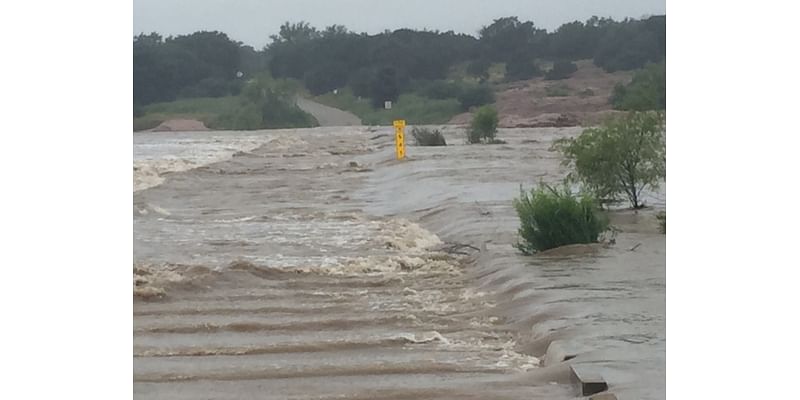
550, 218
427, 137
266, 103
647, 90
557, 90
484, 125
561, 70
475, 96
622, 157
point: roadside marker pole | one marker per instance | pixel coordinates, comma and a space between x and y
399, 138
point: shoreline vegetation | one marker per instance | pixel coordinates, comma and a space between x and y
429, 76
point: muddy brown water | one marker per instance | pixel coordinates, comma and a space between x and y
311, 264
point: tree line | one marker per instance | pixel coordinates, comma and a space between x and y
380, 66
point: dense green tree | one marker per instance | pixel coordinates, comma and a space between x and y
210, 63
215, 52
385, 86
508, 39
479, 68
561, 70
631, 44
521, 68
622, 157
326, 77
361, 82
198, 65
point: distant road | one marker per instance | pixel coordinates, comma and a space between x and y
328, 116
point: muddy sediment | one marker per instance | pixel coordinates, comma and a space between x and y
283, 271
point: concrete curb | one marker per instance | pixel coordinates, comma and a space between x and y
604, 396
588, 383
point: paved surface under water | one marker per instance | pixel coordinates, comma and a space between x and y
311, 264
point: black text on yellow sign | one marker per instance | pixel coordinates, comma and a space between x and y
399, 137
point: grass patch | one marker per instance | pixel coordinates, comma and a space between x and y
195, 106
243, 112
415, 109
206, 109
144, 123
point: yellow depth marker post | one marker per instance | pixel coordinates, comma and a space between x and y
399, 138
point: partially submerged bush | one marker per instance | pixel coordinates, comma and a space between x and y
662, 222
551, 217
484, 126
427, 137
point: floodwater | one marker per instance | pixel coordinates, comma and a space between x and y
310, 264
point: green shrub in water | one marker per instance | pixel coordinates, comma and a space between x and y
551, 217
484, 126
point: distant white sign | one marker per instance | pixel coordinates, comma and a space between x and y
387, 105
239, 74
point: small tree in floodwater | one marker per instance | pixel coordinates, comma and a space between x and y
620, 158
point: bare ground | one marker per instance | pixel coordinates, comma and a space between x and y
180, 125
527, 104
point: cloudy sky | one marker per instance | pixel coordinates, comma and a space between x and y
253, 21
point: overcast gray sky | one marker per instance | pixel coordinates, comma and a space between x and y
253, 21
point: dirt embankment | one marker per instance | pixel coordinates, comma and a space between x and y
582, 99
180, 125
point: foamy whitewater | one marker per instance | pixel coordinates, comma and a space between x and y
310, 264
